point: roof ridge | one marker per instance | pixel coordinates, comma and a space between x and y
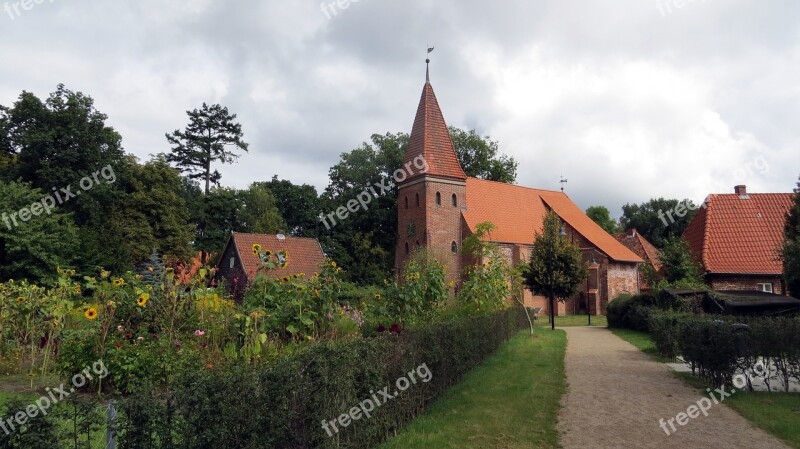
518, 185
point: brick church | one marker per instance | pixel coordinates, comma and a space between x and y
438, 209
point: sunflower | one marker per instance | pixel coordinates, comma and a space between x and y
142, 300
256, 248
20, 299
267, 253
76, 289
104, 274
377, 296
90, 313
333, 264
118, 282
285, 279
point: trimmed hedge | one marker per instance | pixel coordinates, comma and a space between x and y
283, 405
717, 347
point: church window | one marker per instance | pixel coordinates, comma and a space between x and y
438, 199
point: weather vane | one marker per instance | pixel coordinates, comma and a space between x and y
562, 182
427, 65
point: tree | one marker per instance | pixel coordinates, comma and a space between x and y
678, 265
259, 213
207, 138
602, 216
556, 268
658, 219
479, 156
35, 247
299, 205
790, 254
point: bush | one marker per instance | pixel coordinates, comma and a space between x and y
630, 312
283, 404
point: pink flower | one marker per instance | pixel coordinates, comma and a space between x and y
140, 339
199, 333
118, 344
120, 328
177, 344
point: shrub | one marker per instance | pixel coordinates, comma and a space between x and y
283, 403
630, 312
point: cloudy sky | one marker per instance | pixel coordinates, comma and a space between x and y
627, 99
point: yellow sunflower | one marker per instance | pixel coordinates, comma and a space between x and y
333, 264
256, 248
104, 274
377, 296
76, 289
142, 300
21, 299
119, 282
285, 279
267, 253
90, 313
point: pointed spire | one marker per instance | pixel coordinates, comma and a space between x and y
430, 139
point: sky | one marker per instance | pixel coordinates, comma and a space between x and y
628, 99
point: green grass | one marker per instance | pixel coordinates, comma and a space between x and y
573, 320
776, 413
510, 401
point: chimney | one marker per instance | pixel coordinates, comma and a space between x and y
740, 190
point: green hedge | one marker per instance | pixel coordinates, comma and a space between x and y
717, 347
283, 405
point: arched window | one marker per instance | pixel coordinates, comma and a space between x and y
418, 200
454, 200
438, 199
407, 251
406, 198
454, 247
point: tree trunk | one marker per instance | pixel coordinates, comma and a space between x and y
552, 313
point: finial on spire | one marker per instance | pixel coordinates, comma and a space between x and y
427, 66
563, 181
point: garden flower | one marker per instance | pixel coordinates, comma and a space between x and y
155, 336
333, 264
120, 328
129, 335
118, 282
140, 339
267, 253
199, 333
142, 301
76, 289
118, 344
104, 274
177, 344
150, 269
256, 249
21, 299
90, 313
377, 296
285, 279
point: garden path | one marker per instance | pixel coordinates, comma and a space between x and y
617, 395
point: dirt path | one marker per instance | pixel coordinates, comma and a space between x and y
617, 395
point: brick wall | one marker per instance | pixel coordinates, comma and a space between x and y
744, 282
622, 278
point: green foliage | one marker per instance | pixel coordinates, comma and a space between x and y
40, 432
299, 205
259, 214
282, 404
678, 265
556, 268
479, 156
630, 312
486, 287
208, 138
657, 228
33, 249
602, 216
419, 292
790, 254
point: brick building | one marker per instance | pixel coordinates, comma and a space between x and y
737, 237
438, 209
642, 248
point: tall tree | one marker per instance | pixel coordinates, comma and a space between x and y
298, 204
211, 136
479, 156
790, 254
259, 213
556, 268
602, 216
658, 219
678, 264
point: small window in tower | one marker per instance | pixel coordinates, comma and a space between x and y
438, 199
407, 251
406, 198
233, 261
454, 200
418, 200
453, 247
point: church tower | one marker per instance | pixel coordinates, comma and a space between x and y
429, 204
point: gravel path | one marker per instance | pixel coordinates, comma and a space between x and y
617, 395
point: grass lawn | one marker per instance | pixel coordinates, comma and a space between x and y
776, 413
510, 401
573, 320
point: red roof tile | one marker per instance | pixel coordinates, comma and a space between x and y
431, 140
518, 213
305, 254
734, 234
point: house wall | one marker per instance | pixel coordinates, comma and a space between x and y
744, 282
622, 278
235, 278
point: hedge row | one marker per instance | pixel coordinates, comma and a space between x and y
719, 347
283, 405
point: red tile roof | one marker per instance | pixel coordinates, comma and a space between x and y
641, 246
518, 213
734, 234
431, 140
305, 254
